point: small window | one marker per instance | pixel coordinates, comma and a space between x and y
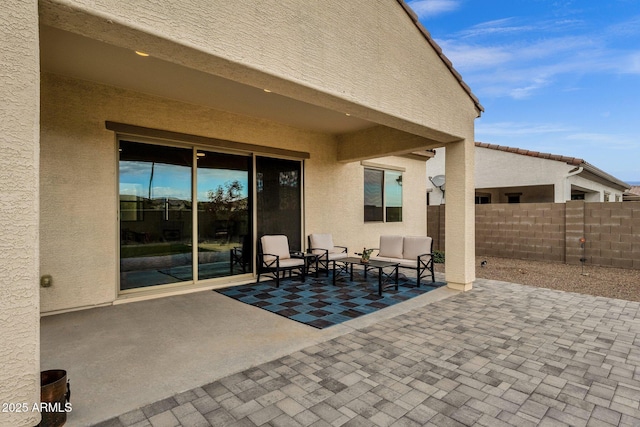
382, 195
513, 198
483, 199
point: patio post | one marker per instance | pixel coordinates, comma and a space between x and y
19, 174
460, 217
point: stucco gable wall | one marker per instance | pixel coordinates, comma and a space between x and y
503, 169
365, 53
500, 169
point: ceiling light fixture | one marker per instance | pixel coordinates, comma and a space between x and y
141, 53
267, 90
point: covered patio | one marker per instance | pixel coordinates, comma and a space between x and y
119, 113
505, 354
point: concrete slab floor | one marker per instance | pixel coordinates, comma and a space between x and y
122, 357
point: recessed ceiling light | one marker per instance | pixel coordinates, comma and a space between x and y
141, 53
347, 114
267, 90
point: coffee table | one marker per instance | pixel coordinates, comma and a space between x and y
380, 265
310, 260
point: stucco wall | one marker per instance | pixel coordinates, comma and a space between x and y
539, 180
79, 181
352, 56
19, 318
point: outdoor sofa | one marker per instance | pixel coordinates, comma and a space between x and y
413, 252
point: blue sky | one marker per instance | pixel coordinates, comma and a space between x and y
557, 76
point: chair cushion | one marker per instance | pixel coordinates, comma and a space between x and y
291, 262
390, 246
275, 245
337, 255
321, 241
416, 245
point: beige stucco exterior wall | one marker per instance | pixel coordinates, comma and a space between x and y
79, 181
19, 317
363, 57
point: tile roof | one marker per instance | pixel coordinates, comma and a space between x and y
442, 56
569, 160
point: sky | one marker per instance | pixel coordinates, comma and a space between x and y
556, 76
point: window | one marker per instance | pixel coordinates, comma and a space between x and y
483, 199
513, 197
382, 195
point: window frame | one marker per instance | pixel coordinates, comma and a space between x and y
386, 171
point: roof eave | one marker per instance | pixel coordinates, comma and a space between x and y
442, 56
602, 174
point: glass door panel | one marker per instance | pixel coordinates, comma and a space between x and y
155, 215
224, 215
279, 204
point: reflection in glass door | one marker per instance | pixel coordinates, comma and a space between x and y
224, 215
155, 215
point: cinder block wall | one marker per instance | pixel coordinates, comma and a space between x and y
531, 231
435, 226
552, 232
613, 234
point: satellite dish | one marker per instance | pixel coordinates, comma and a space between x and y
438, 181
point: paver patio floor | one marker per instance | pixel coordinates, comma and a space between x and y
503, 354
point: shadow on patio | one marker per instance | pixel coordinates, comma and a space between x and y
123, 357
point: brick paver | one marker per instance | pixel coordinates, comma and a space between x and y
502, 354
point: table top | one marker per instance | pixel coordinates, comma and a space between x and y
303, 255
372, 263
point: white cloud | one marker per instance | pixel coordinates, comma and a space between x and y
473, 57
429, 8
514, 129
492, 28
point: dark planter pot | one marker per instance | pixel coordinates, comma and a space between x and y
54, 393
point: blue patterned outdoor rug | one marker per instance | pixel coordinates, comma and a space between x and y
318, 303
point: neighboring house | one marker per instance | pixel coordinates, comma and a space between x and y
131, 175
513, 175
632, 195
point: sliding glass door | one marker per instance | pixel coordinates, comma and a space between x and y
224, 214
161, 235
279, 193
155, 215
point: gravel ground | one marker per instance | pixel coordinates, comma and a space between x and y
598, 281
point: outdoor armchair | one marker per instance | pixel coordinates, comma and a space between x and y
275, 258
322, 245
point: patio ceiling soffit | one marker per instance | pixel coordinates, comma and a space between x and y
355, 145
382, 141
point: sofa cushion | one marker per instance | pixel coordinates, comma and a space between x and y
321, 241
408, 263
416, 245
390, 246
275, 245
